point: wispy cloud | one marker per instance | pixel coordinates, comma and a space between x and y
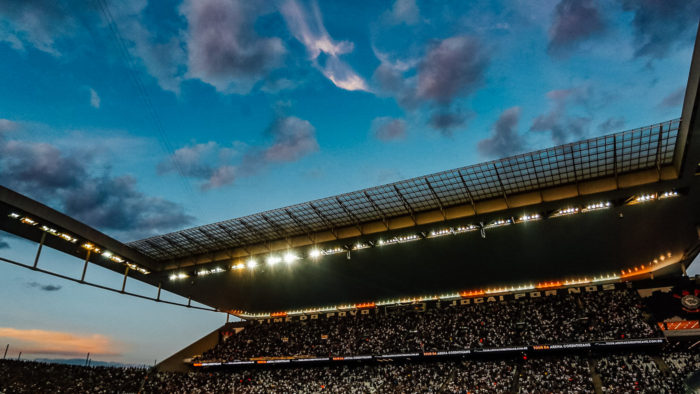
34, 341
386, 128
307, 27
44, 287
403, 11
562, 125
94, 98
661, 25
223, 48
66, 179
504, 139
215, 166
573, 22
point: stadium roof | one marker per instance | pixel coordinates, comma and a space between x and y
592, 207
650, 147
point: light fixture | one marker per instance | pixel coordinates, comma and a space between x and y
314, 253
272, 260
290, 257
251, 264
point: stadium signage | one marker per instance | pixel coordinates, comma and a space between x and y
534, 294
451, 353
464, 301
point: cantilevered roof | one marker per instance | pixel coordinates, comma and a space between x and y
644, 148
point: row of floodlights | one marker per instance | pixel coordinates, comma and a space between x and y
69, 238
315, 253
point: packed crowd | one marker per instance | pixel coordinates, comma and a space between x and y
36, 377
603, 315
626, 373
382, 378
481, 377
555, 375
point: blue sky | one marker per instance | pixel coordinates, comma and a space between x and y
144, 117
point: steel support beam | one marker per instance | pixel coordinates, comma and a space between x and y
38, 251
87, 260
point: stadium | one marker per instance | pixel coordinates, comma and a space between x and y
563, 269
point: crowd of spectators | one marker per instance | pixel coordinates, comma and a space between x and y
568, 375
38, 377
628, 373
481, 377
602, 315
662, 373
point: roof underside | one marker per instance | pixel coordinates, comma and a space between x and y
624, 152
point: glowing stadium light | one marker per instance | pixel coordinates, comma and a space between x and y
314, 253
107, 254
566, 212
290, 257
643, 198
464, 229
177, 276
597, 206
336, 250
529, 218
14, 215
668, 194
499, 223
206, 272
29, 221
399, 239
441, 232
272, 260
360, 245
251, 264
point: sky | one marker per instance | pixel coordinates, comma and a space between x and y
140, 118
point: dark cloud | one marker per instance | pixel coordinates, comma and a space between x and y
223, 48
294, 138
389, 129
44, 287
38, 23
573, 22
660, 25
563, 126
206, 162
504, 139
7, 126
66, 181
3, 244
446, 121
612, 124
674, 99
451, 69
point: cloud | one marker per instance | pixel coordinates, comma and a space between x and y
223, 48
35, 23
7, 125
66, 180
213, 165
612, 124
44, 287
94, 98
33, 341
403, 12
201, 161
446, 121
573, 22
673, 100
389, 129
308, 28
504, 139
660, 26
294, 138
451, 69
563, 126
3, 244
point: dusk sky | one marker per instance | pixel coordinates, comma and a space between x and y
140, 117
